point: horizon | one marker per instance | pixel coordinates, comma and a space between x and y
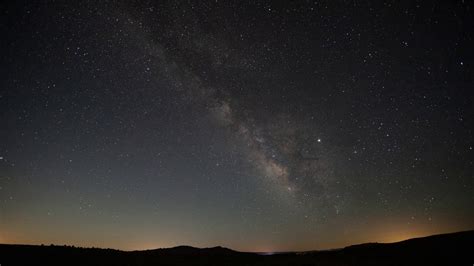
259, 126
444, 248
268, 252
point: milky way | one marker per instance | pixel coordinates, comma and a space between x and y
284, 152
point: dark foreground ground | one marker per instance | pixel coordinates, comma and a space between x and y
446, 249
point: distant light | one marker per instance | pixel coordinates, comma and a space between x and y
319, 140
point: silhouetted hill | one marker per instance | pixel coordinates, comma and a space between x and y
445, 249
190, 251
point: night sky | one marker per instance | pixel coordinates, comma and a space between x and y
258, 126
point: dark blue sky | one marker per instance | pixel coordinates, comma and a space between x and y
260, 127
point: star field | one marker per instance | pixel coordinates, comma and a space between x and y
258, 126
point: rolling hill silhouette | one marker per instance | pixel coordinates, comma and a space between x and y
445, 249
188, 250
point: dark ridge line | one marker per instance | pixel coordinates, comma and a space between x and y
228, 250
